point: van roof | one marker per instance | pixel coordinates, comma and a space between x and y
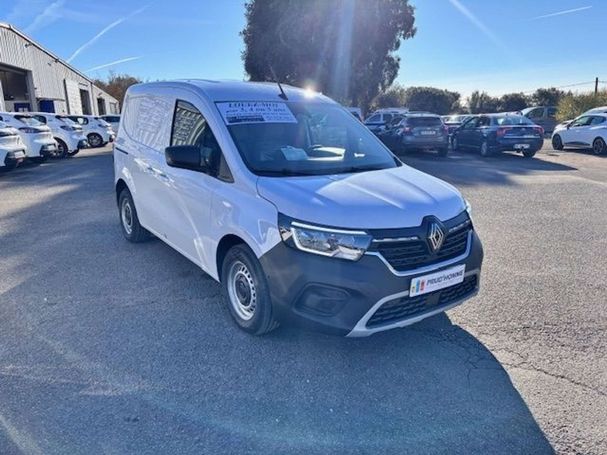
225, 90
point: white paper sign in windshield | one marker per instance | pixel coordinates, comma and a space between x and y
239, 112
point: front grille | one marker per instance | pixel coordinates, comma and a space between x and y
407, 307
411, 254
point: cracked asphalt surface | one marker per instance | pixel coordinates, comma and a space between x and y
108, 347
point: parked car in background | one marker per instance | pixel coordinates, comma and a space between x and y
492, 133
113, 120
544, 116
596, 110
293, 206
12, 148
380, 119
419, 132
586, 131
68, 134
355, 111
37, 137
452, 122
97, 131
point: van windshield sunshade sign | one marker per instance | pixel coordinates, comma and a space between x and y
239, 112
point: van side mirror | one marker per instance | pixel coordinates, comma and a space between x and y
187, 157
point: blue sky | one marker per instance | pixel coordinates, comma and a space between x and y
462, 45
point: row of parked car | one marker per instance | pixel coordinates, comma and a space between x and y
38, 136
403, 130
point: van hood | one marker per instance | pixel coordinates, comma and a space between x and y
390, 198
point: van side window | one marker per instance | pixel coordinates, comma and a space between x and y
191, 128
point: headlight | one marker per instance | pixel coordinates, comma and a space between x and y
328, 242
468, 208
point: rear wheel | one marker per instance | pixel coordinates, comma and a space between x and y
129, 221
598, 146
95, 140
246, 291
61, 151
557, 142
485, 149
529, 153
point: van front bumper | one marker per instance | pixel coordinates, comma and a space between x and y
342, 297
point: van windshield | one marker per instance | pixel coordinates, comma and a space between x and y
308, 139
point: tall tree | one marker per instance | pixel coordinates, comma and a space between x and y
393, 96
344, 48
431, 99
117, 84
547, 96
482, 102
512, 102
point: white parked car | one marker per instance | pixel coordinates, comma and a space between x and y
68, 134
97, 131
300, 212
586, 131
12, 148
37, 137
113, 120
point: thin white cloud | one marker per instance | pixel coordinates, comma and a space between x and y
104, 31
115, 62
48, 15
560, 13
477, 23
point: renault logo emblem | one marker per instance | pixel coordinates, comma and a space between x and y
436, 236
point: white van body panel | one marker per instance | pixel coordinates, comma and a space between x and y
189, 210
403, 195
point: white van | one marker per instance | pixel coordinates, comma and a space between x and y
37, 137
113, 120
12, 148
67, 133
97, 131
300, 212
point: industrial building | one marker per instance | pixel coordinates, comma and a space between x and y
34, 79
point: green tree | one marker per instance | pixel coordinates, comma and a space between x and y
572, 105
431, 99
482, 102
394, 96
117, 84
512, 102
546, 97
344, 48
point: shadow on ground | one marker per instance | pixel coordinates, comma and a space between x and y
120, 348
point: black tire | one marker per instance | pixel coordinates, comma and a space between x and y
61, 151
246, 291
443, 151
529, 153
129, 221
74, 153
557, 142
484, 149
598, 146
95, 140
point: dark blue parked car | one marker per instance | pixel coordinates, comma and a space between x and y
491, 133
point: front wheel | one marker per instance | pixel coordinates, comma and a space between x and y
557, 142
246, 291
598, 146
95, 140
61, 151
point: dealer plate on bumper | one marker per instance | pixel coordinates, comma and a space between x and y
437, 281
521, 146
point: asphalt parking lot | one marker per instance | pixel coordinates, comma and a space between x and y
109, 347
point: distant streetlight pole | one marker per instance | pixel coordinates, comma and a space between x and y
596, 86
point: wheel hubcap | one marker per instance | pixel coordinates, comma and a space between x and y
95, 140
127, 217
242, 291
598, 147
